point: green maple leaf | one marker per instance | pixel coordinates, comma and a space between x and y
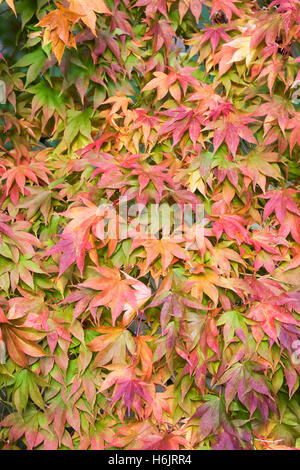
78, 122
35, 61
48, 99
234, 323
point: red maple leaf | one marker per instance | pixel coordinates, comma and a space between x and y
161, 32
116, 293
231, 128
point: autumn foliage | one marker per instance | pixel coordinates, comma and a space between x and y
134, 343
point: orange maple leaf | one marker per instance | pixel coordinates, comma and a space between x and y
87, 9
58, 25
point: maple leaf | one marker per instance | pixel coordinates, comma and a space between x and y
84, 385
222, 255
29, 304
173, 304
276, 109
211, 33
20, 340
120, 20
227, 6
203, 282
130, 436
128, 387
250, 387
268, 28
195, 7
36, 61
96, 144
142, 294
111, 345
183, 119
101, 433
207, 96
233, 226
116, 292
143, 120
164, 441
162, 33
103, 40
203, 331
22, 270
16, 177
264, 242
291, 300
56, 331
236, 50
152, 6
167, 249
257, 165
49, 101
87, 11
286, 211
272, 70
266, 314
60, 411
234, 323
280, 202
211, 414
82, 299
28, 426
155, 174
267, 260
39, 199
230, 128
131, 392
27, 385
78, 123
58, 25
76, 237
119, 101
197, 238
17, 235
167, 82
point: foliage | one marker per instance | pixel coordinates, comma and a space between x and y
129, 343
